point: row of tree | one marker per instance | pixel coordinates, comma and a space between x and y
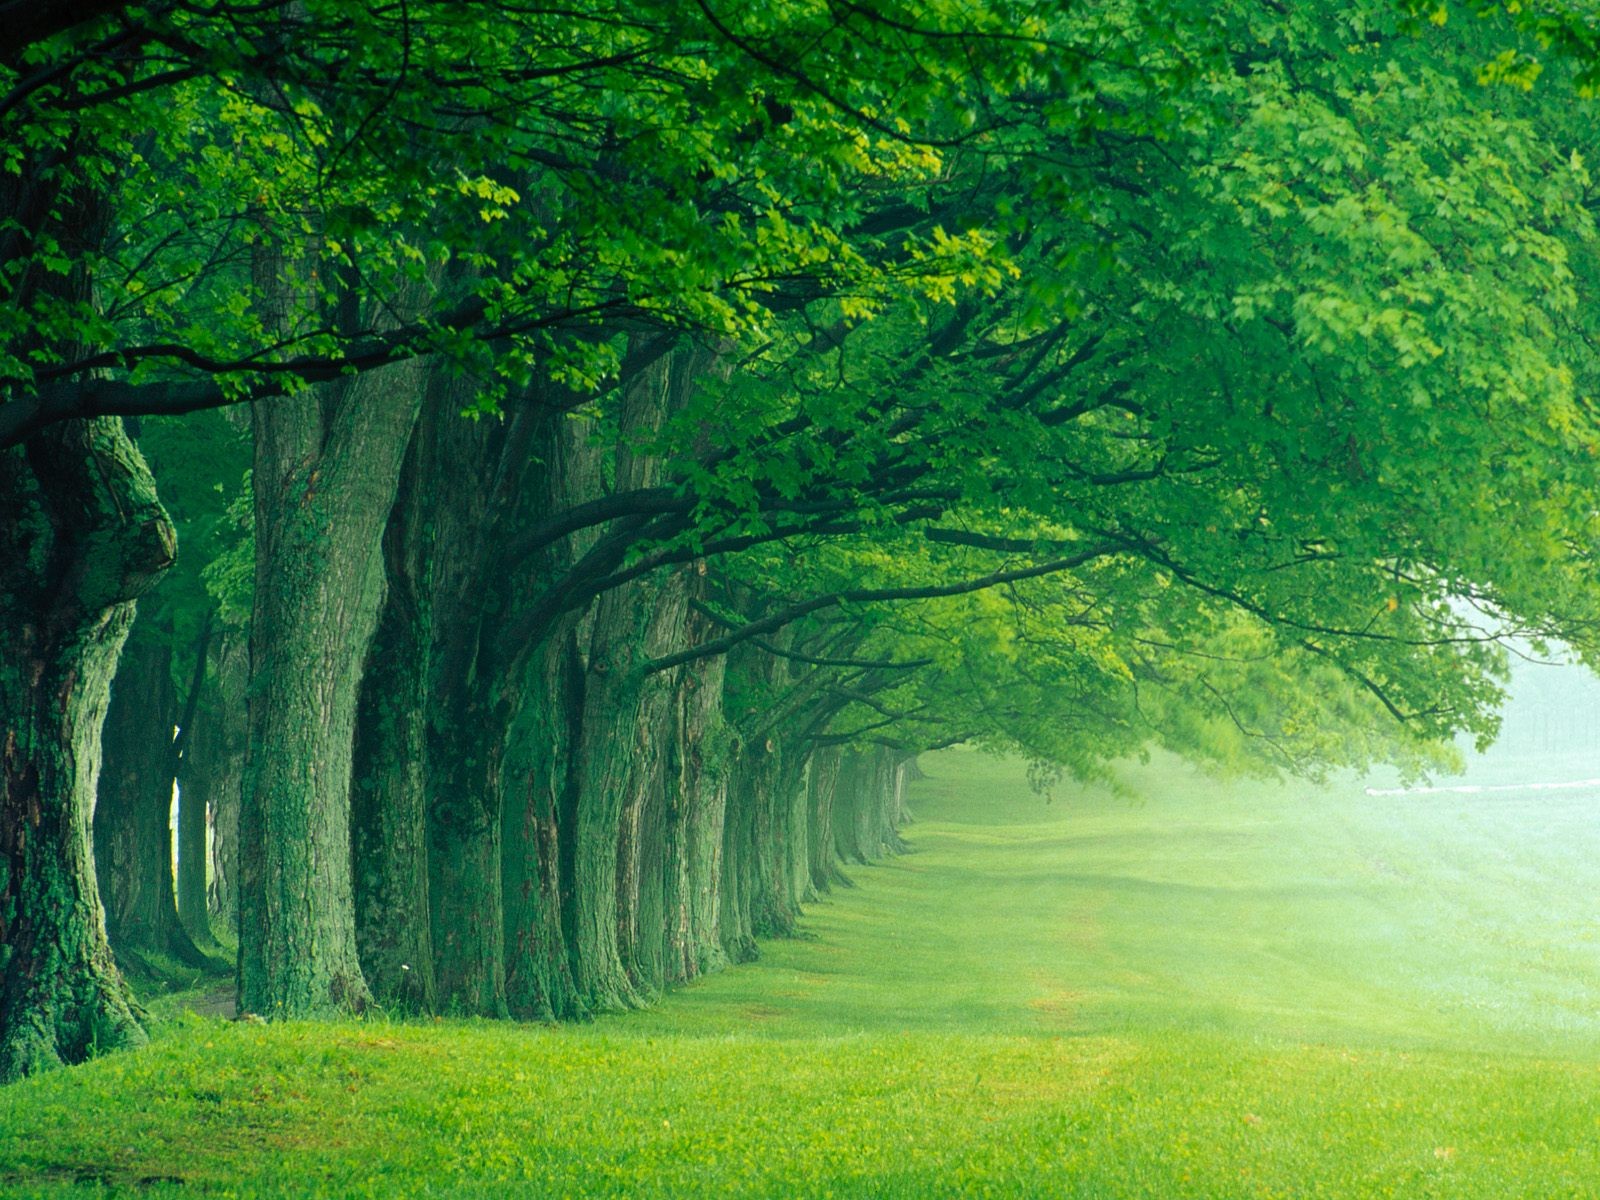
606, 447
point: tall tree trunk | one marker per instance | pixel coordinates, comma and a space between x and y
736, 920
539, 982
766, 784
696, 800
81, 537
327, 468
626, 715
849, 804
798, 845
464, 861
193, 809
868, 804
133, 809
619, 760
389, 847
213, 769
193, 861
477, 472
821, 784
547, 682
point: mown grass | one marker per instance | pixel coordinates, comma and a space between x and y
1191, 989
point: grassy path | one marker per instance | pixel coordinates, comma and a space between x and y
1189, 990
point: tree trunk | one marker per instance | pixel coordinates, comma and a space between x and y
821, 785
770, 784
464, 861
542, 779
81, 536
620, 773
619, 762
477, 475
868, 804
738, 887
213, 769
388, 793
133, 808
193, 859
849, 805
696, 801
193, 809
327, 469
539, 982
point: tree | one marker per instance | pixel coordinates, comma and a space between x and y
842, 374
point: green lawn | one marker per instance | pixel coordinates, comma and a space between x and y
1190, 989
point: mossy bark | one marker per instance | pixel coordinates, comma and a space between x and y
388, 792
541, 771
539, 800
620, 771
326, 473
737, 884
868, 804
81, 537
821, 785
473, 470
464, 854
132, 818
766, 842
696, 793
619, 762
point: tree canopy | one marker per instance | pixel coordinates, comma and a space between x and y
664, 421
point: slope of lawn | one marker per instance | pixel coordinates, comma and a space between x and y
1186, 988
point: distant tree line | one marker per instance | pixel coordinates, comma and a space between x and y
536, 477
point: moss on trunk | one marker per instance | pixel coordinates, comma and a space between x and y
388, 792
822, 782
81, 536
327, 469
539, 779
695, 804
620, 778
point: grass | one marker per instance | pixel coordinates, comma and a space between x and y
1187, 990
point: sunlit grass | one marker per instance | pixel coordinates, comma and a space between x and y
1193, 990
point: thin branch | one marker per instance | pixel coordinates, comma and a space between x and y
875, 596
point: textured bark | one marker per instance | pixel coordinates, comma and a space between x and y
774, 908
539, 982
847, 801
868, 805
541, 770
464, 864
618, 827
81, 536
213, 769
766, 842
132, 818
621, 768
798, 846
388, 793
472, 471
765, 834
821, 784
695, 803
326, 472
738, 885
